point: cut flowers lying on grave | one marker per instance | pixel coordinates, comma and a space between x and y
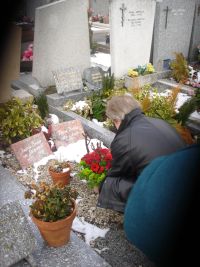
94, 166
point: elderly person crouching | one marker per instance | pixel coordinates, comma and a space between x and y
139, 139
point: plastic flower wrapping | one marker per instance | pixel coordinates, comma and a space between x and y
94, 166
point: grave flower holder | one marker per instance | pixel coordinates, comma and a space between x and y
60, 173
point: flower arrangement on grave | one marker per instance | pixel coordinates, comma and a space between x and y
28, 53
82, 107
53, 210
141, 70
95, 165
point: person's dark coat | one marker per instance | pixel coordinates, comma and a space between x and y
138, 141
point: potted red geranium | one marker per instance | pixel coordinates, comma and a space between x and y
94, 166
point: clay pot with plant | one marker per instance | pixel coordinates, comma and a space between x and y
60, 172
53, 211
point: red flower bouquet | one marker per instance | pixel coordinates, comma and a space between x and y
94, 166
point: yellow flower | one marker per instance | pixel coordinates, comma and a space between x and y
150, 68
132, 73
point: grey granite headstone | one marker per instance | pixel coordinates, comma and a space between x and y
16, 238
93, 77
195, 38
67, 80
172, 30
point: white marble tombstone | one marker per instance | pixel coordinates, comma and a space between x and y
61, 39
172, 31
131, 30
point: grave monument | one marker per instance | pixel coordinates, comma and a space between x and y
172, 31
61, 39
131, 30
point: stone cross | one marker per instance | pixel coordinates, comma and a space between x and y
122, 8
166, 17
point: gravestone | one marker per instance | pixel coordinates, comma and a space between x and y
61, 39
31, 150
68, 80
16, 238
93, 78
172, 30
68, 132
131, 30
195, 39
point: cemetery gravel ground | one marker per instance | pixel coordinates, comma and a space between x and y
114, 248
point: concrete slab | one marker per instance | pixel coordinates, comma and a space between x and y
163, 84
57, 100
75, 254
16, 238
28, 83
23, 95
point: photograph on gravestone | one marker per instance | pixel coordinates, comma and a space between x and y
68, 132
68, 80
31, 150
16, 237
93, 78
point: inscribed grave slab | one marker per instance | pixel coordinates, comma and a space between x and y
31, 150
68, 80
68, 132
93, 77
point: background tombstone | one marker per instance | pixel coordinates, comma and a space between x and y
61, 38
195, 38
68, 80
131, 28
172, 30
68, 132
31, 149
93, 78
16, 238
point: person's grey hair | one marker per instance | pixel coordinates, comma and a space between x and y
118, 106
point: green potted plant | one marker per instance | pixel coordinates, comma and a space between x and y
60, 172
53, 210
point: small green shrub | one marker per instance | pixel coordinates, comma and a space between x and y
156, 105
18, 120
189, 107
179, 66
41, 102
98, 106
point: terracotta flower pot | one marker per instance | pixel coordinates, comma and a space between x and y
62, 178
57, 233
